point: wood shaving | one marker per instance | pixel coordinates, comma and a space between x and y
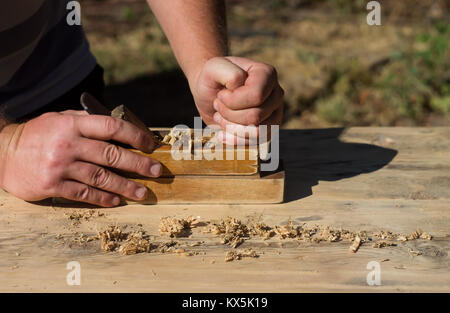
262, 230
355, 245
232, 231
77, 216
413, 252
187, 135
136, 242
383, 244
82, 238
111, 238
288, 230
176, 134
419, 234
175, 227
239, 254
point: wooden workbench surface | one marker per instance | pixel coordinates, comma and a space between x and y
371, 179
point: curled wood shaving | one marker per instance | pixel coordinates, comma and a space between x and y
114, 239
175, 227
262, 230
111, 238
232, 231
288, 230
136, 242
177, 134
239, 254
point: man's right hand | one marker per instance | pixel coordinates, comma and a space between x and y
65, 155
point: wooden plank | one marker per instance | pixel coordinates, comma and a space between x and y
370, 179
215, 189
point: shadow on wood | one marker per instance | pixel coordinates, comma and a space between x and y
317, 154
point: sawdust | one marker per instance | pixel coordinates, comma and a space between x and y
414, 252
383, 244
176, 227
82, 215
418, 234
136, 242
239, 254
231, 230
262, 230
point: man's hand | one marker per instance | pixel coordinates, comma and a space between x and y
232, 91
65, 155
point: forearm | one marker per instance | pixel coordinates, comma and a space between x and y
196, 30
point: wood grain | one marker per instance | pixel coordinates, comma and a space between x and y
396, 179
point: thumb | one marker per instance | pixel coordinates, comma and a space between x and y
224, 72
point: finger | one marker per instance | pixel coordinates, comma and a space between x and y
101, 178
75, 112
109, 155
83, 193
110, 128
225, 73
232, 132
262, 80
254, 115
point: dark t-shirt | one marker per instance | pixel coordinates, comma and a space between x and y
41, 55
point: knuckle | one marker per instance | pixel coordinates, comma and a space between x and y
256, 97
82, 193
111, 155
237, 76
49, 181
255, 117
141, 138
49, 115
100, 177
59, 153
142, 164
272, 71
112, 126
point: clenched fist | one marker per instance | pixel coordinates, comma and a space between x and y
233, 91
67, 155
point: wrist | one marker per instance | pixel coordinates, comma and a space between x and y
9, 138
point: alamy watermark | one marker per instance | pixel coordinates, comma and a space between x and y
73, 278
374, 276
374, 16
74, 15
235, 139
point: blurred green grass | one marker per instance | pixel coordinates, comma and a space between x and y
336, 69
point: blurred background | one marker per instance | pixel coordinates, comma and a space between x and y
336, 70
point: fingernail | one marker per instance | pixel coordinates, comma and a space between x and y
116, 201
216, 105
155, 170
140, 193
